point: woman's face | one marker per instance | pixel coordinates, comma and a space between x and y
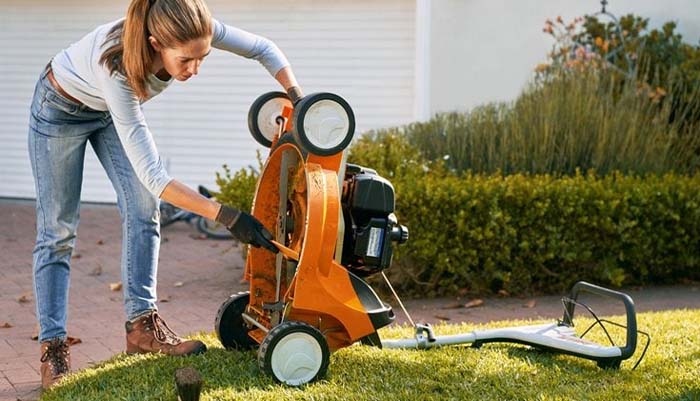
183, 61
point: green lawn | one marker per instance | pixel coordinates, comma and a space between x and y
670, 371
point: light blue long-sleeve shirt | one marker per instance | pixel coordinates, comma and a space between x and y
79, 72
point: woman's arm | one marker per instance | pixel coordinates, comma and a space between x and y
186, 198
252, 46
288, 81
140, 148
286, 78
134, 134
242, 225
249, 45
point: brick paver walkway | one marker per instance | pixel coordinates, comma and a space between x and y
209, 271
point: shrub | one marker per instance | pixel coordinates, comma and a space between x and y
658, 59
539, 233
238, 190
390, 152
571, 121
524, 233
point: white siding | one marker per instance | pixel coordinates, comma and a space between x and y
360, 49
486, 50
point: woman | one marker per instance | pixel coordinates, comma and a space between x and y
92, 92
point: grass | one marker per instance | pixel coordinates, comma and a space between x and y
670, 371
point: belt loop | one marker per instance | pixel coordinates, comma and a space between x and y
46, 69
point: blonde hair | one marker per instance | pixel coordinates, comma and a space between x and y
170, 22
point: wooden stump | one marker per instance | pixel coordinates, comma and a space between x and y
189, 384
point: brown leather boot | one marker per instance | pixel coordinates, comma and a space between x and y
149, 333
55, 361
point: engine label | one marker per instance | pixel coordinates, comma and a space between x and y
374, 247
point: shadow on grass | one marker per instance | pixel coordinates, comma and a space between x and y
495, 371
689, 395
151, 377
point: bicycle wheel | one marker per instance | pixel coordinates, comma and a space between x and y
213, 229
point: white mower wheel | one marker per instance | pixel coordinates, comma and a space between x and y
324, 123
294, 353
263, 114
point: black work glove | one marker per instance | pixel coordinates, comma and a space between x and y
245, 228
295, 94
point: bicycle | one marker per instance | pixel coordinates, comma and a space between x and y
170, 213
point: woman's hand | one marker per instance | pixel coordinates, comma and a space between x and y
295, 94
245, 228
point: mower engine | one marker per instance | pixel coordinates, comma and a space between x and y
370, 224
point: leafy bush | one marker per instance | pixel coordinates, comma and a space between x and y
657, 59
533, 233
238, 190
538, 233
390, 152
524, 233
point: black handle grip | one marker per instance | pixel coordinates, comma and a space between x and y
583, 286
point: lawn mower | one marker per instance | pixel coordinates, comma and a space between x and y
334, 225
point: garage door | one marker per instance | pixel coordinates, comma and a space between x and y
361, 49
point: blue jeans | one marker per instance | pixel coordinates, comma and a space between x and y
59, 130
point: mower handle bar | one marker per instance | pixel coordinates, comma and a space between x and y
583, 286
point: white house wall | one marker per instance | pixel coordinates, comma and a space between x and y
360, 49
486, 50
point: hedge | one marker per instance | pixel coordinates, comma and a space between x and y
525, 233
